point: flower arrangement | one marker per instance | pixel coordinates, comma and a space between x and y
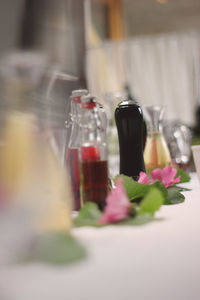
135, 202
165, 176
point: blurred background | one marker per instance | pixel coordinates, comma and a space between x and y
150, 45
147, 49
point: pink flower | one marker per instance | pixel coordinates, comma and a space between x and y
166, 176
117, 205
143, 178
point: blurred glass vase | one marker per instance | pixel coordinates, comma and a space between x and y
35, 195
156, 152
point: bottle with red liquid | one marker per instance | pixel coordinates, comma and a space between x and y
72, 151
93, 154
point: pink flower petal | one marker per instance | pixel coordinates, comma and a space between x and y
168, 174
156, 174
176, 180
117, 205
143, 178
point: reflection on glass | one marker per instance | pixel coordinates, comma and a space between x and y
179, 138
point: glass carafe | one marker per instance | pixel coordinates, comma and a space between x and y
156, 152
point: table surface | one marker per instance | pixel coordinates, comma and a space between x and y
159, 260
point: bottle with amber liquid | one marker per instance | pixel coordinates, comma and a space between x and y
156, 152
129, 122
93, 154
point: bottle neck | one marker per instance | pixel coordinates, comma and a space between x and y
154, 126
154, 118
91, 126
74, 141
92, 138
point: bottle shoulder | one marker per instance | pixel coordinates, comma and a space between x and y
128, 108
128, 104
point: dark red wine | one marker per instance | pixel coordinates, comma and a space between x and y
95, 182
90, 153
72, 162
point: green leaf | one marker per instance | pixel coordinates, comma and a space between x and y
88, 215
133, 188
151, 202
182, 189
138, 220
174, 196
137, 190
158, 184
55, 248
185, 177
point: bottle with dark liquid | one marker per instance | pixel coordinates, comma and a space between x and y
129, 121
130, 96
72, 151
93, 155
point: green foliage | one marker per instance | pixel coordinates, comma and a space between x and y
55, 248
185, 177
182, 189
133, 189
139, 215
138, 220
151, 197
174, 196
151, 202
157, 184
88, 215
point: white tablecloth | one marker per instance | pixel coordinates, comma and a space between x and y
159, 260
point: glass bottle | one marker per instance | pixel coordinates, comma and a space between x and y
129, 121
93, 155
103, 120
72, 156
156, 153
32, 179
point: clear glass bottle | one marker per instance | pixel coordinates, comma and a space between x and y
93, 154
156, 152
104, 121
72, 154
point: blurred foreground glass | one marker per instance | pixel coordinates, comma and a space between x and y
54, 109
35, 195
156, 152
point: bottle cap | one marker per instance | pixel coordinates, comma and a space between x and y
77, 94
126, 102
88, 101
